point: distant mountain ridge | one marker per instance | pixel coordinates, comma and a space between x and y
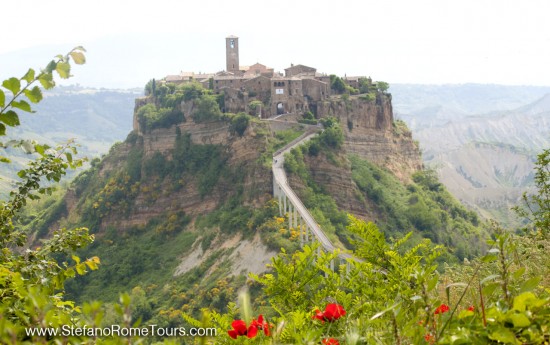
468, 99
96, 118
484, 158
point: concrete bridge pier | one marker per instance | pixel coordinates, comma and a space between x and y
290, 214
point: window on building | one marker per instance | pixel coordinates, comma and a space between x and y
232, 44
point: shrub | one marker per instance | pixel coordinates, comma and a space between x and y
191, 91
337, 84
150, 117
239, 124
207, 109
332, 136
382, 86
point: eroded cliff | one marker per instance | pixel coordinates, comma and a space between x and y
371, 133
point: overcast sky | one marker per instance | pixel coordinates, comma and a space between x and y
399, 41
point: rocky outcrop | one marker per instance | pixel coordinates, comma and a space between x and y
158, 197
370, 133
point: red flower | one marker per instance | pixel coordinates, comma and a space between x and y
239, 328
261, 324
330, 341
319, 315
442, 309
332, 313
429, 338
472, 308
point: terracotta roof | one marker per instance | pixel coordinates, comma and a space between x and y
224, 73
300, 66
204, 76
173, 78
227, 77
256, 77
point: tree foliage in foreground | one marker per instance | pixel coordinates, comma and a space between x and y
536, 207
32, 278
397, 296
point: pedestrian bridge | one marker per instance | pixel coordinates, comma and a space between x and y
291, 205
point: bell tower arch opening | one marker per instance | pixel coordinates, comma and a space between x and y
232, 54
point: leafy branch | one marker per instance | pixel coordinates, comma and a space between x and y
9, 110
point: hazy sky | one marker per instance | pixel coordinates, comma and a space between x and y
427, 41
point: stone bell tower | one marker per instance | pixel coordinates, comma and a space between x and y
232, 54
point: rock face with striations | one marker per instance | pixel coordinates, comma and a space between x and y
371, 134
160, 197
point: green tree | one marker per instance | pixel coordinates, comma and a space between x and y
150, 87
147, 115
332, 135
207, 109
382, 86
536, 207
31, 280
364, 85
239, 124
191, 90
337, 84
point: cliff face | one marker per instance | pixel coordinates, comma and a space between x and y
180, 190
160, 197
371, 134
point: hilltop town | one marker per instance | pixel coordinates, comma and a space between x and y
258, 90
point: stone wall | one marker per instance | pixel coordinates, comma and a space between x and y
314, 90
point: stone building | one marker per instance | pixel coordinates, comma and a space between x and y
300, 70
299, 90
258, 69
